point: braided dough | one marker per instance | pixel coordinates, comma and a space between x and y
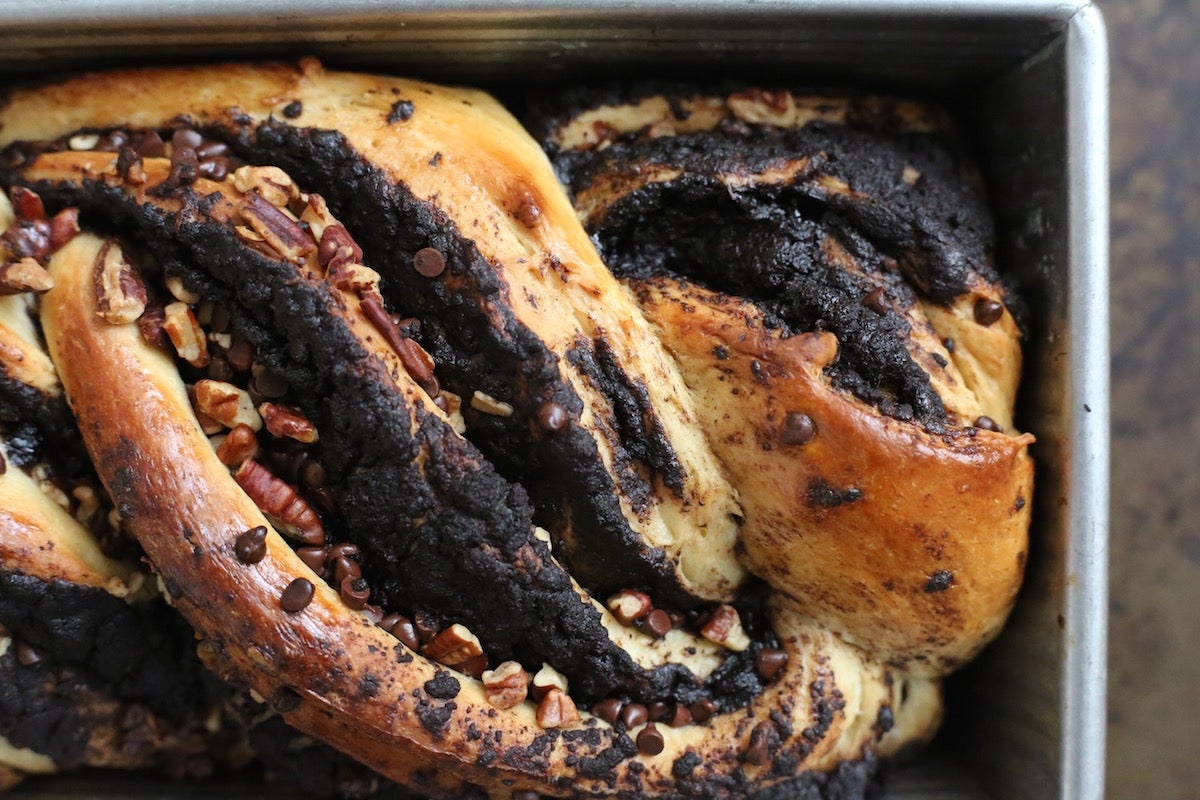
542, 437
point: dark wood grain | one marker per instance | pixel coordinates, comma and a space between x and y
1154, 681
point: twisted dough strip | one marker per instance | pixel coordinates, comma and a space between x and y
91, 671
330, 668
867, 308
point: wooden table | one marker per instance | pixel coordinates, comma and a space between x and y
1154, 661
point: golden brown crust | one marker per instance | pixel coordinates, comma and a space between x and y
910, 544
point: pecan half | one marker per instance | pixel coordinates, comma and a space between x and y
287, 423
276, 229
120, 293
287, 510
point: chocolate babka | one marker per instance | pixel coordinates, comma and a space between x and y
699, 497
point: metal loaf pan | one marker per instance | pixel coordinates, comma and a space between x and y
1029, 80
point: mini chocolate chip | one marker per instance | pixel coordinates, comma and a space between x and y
633, 714
112, 142
212, 148
681, 717
650, 741
429, 262
251, 546
660, 711
797, 428
552, 417
297, 595
406, 633
149, 145
373, 613
988, 424
758, 752
657, 623
314, 557
949, 344
768, 662
355, 592
186, 137
240, 354
313, 475
874, 301
322, 498
3, 464
219, 370
526, 796
27, 656
342, 549
293, 109
608, 710
268, 383
284, 700
215, 168
703, 710
528, 213
988, 312
426, 626
344, 568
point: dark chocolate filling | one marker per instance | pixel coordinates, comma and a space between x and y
765, 241
432, 537
92, 645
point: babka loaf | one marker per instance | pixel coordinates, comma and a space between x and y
694, 487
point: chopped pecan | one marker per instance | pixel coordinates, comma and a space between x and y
759, 107
557, 710
351, 276
629, 606
227, 404
271, 183
287, 510
120, 293
287, 423
547, 679
724, 627
180, 292
317, 216
25, 275
453, 646
184, 330
481, 401
507, 685
64, 226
